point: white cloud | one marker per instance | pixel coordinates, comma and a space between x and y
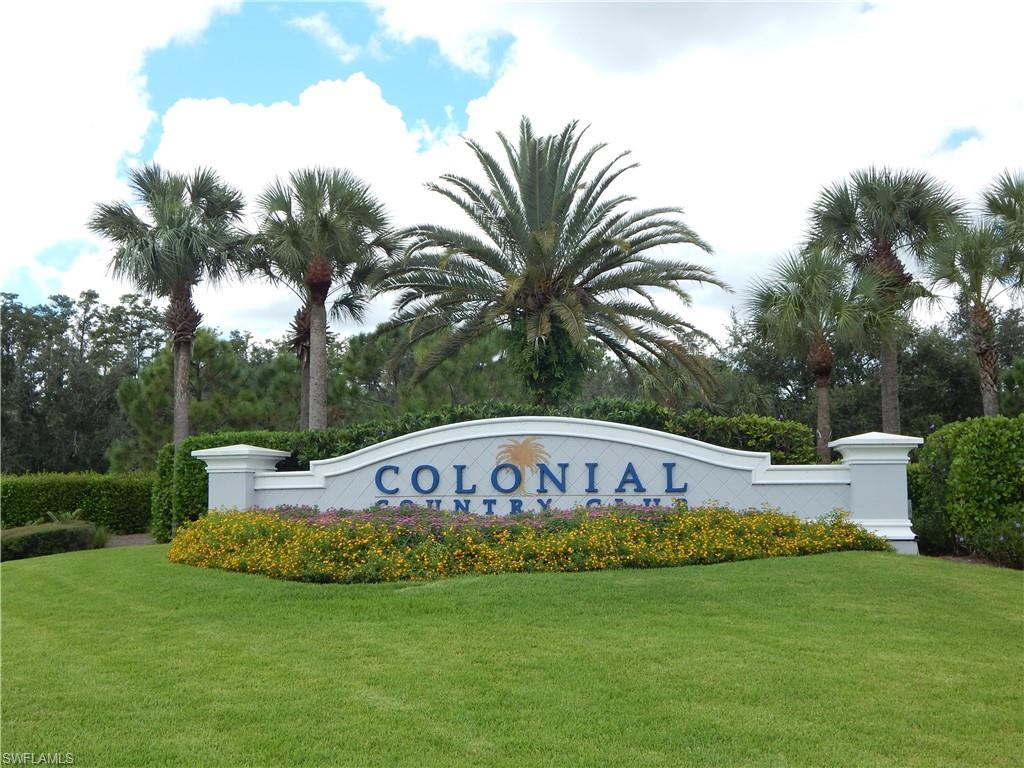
250, 145
76, 107
740, 121
320, 29
622, 36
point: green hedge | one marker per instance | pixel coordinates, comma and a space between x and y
46, 539
789, 443
967, 487
162, 497
119, 502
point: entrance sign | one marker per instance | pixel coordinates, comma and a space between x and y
536, 463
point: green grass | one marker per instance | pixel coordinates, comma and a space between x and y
841, 659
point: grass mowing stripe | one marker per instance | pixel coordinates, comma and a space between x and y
851, 658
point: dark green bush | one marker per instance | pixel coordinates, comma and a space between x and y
46, 539
1001, 541
788, 442
120, 502
986, 476
163, 500
927, 518
968, 483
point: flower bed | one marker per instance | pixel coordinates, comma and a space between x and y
394, 544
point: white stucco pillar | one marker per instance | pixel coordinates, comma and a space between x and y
878, 484
232, 470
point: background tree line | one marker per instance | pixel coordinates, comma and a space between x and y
90, 386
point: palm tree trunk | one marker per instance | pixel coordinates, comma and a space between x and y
317, 364
820, 360
304, 393
824, 431
988, 360
182, 372
889, 372
183, 319
885, 261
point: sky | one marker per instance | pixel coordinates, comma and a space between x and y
739, 113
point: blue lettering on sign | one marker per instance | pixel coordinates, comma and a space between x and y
630, 476
517, 476
379, 478
489, 503
407, 503
459, 487
652, 502
517, 507
433, 504
462, 505
435, 478
593, 502
383, 503
546, 474
669, 487
544, 503
591, 478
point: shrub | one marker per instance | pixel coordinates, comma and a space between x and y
968, 483
162, 505
788, 442
426, 544
986, 475
120, 502
46, 539
1001, 541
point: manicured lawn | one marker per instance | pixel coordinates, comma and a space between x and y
841, 659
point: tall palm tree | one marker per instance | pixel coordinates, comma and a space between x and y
1004, 205
812, 300
187, 231
874, 219
556, 261
323, 230
980, 261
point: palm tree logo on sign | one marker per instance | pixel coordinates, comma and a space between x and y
523, 454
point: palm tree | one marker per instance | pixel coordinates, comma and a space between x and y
980, 261
812, 300
556, 261
349, 300
323, 230
1004, 204
872, 220
188, 232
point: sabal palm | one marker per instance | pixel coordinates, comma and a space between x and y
347, 299
979, 262
812, 300
1004, 205
323, 230
873, 219
556, 261
188, 232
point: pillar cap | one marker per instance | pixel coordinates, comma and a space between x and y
240, 458
876, 448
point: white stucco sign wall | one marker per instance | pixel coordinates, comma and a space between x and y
528, 464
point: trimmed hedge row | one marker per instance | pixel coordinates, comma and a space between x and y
352, 550
161, 502
46, 539
788, 442
119, 502
967, 489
